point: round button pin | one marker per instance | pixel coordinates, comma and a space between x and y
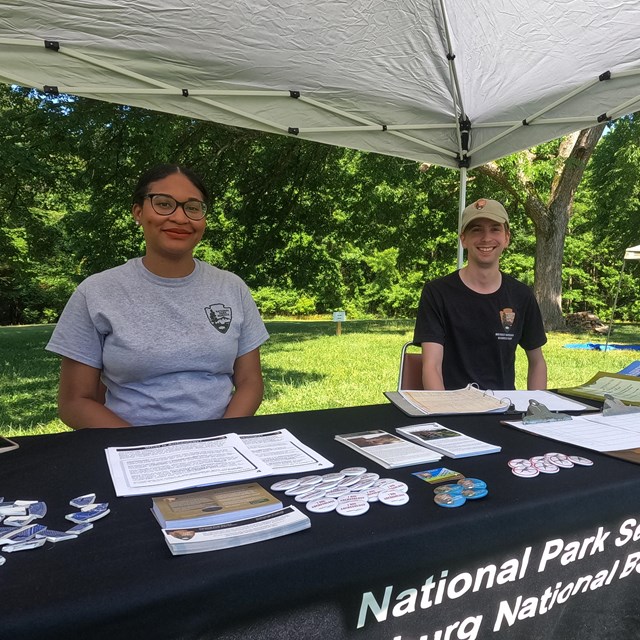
351, 497
348, 481
362, 485
309, 496
310, 480
336, 492
329, 478
296, 491
352, 508
372, 494
353, 471
525, 472
454, 489
322, 505
284, 485
474, 494
546, 467
393, 498
449, 500
396, 486
519, 462
472, 483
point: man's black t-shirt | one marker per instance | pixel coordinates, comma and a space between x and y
479, 332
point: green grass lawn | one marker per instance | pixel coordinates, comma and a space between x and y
306, 366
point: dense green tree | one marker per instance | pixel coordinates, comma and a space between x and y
310, 227
34, 166
613, 222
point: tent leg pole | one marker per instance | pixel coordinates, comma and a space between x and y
613, 311
461, 205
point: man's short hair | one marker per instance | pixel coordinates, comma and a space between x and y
484, 208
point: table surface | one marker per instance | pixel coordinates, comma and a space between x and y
120, 578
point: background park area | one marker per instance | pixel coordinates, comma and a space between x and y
306, 366
312, 229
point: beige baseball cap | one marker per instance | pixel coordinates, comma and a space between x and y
484, 208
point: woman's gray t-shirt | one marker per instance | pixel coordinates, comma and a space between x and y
166, 346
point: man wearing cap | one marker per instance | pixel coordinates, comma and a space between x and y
470, 322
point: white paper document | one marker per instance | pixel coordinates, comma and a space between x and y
183, 464
595, 432
283, 452
553, 401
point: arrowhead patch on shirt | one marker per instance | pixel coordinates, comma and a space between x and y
507, 318
219, 316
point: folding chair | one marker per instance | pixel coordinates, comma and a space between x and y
410, 374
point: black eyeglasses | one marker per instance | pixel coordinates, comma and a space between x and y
165, 205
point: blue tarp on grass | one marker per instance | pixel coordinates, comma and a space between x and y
594, 346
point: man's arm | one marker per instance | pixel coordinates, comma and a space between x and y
537, 372
432, 354
249, 386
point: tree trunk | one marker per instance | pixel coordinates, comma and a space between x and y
551, 219
547, 285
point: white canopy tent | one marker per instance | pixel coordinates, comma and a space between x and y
450, 82
632, 253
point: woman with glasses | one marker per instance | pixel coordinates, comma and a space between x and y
163, 338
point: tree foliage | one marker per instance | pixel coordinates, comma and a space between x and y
311, 228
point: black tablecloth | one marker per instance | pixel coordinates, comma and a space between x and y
120, 580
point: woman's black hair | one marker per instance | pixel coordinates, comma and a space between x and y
160, 172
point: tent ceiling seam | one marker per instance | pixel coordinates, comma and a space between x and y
463, 136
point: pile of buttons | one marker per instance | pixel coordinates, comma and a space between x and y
455, 495
548, 463
19, 532
349, 492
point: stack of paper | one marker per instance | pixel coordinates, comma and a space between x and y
448, 442
387, 449
236, 533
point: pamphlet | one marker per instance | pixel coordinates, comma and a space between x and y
236, 533
448, 442
387, 449
213, 506
184, 464
622, 387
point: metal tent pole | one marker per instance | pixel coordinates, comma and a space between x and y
461, 205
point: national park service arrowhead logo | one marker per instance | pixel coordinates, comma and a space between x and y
507, 318
219, 316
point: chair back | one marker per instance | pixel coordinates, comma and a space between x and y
410, 374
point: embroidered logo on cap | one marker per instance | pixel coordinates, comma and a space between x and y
219, 316
481, 204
